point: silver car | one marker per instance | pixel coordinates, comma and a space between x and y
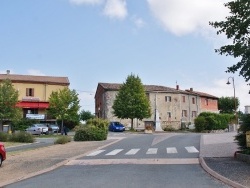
53, 128
37, 129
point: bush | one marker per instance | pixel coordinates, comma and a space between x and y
169, 129
213, 121
4, 136
62, 140
94, 130
21, 136
90, 133
241, 137
200, 124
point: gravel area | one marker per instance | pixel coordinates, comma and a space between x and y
218, 151
231, 168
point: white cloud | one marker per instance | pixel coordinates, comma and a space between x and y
81, 2
182, 17
35, 72
139, 22
116, 9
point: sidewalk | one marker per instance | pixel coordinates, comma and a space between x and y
217, 158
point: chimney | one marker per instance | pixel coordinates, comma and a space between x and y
177, 87
8, 71
191, 89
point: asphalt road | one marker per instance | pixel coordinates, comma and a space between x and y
135, 161
40, 142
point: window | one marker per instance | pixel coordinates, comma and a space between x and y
206, 102
169, 114
194, 114
183, 99
168, 98
184, 113
29, 92
193, 100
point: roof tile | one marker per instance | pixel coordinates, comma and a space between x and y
35, 79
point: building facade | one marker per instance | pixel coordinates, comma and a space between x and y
175, 107
34, 92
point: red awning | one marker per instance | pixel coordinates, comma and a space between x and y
28, 104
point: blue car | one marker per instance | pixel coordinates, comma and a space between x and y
116, 126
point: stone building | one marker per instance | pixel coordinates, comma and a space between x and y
175, 107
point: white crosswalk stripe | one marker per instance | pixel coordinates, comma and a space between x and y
96, 153
150, 151
114, 152
171, 150
132, 152
192, 149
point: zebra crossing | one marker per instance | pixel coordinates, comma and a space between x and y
134, 151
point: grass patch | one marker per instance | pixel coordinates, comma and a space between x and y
62, 139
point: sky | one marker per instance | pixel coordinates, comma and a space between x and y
164, 42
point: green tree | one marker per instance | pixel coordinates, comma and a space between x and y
85, 115
237, 29
64, 105
241, 137
131, 101
226, 105
8, 101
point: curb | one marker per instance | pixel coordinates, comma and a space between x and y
218, 176
215, 174
2, 184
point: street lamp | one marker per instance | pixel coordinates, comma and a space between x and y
235, 106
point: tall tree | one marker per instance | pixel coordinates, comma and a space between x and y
85, 115
237, 29
131, 101
8, 101
64, 105
227, 105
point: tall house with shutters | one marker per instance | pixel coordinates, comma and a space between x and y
34, 92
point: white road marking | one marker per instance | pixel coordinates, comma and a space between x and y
171, 150
132, 152
191, 149
114, 152
95, 153
135, 161
152, 151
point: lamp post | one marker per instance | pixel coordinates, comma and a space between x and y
235, 106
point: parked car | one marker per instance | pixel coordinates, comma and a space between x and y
2, 153
53, 128
116, 126
38, 129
